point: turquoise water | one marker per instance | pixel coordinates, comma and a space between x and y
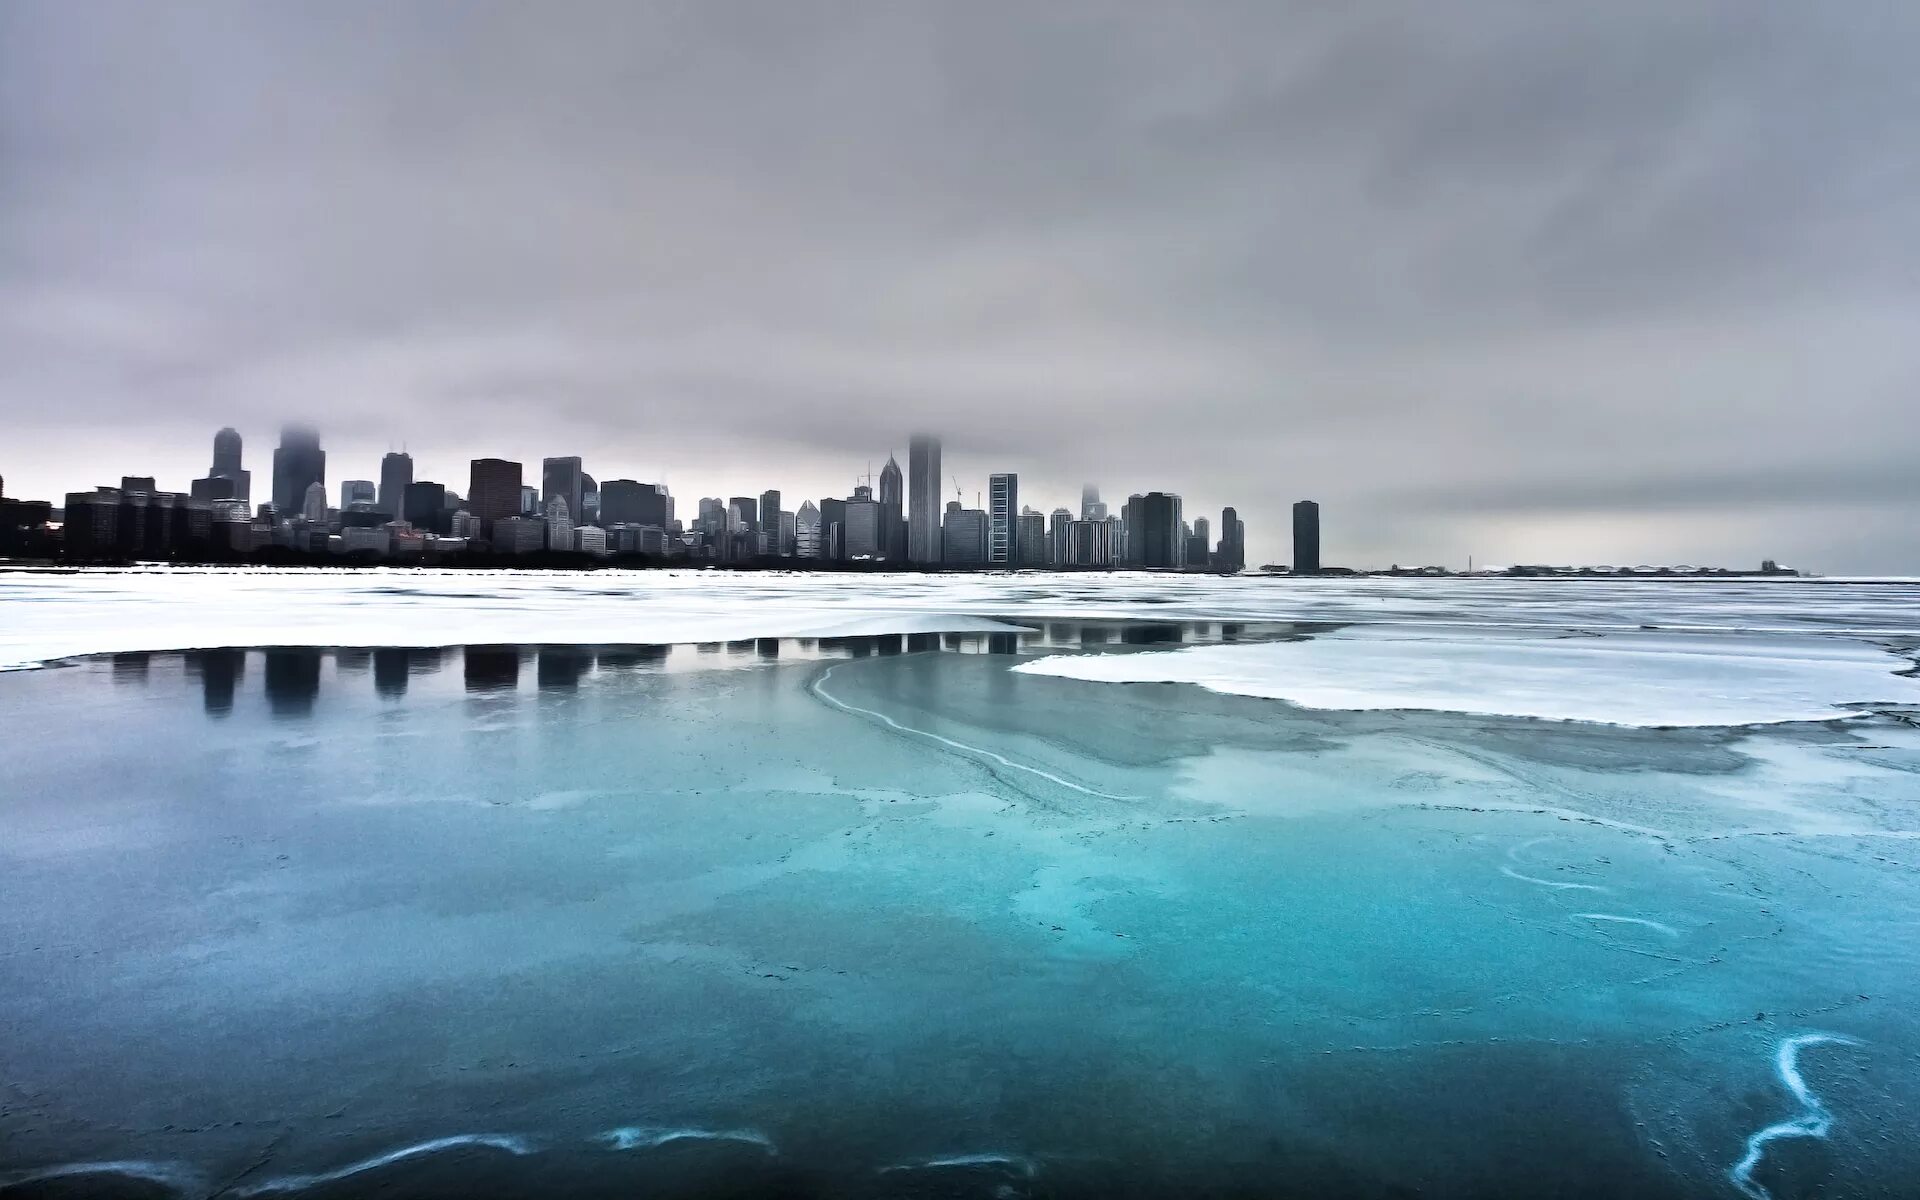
881, 917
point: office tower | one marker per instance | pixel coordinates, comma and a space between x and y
464, 524
806, 530
138, 483
1059, 530
313, 508
1233, 541
589, 503
964, 534
518, 535
1003, 529
227, 467
769, 511
712, 520
863, 534
296, 463
423, 505
559, 522
396, 472
1161, 534
1091, 509
356, 491
1306, 538
92, 526
213, 487
493, 491
749, 511
1032, 541
786, 535
924, 528
628, 502
563, 477
529, 500
893, 512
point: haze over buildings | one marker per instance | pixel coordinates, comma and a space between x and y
1527, 282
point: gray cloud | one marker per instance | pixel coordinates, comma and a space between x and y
1538, 282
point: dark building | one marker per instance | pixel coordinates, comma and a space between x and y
92, 528
493, 490
423, 505
563, 477
749, 510
1162, 536
833, 529
298, 463
924, 530
893, 515
1306, 538
396, 472
1232, 555
215, 487
628, 502
137, 483
770, 518
227, 465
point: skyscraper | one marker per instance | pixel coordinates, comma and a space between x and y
1059, 529
1233, 541
563, 477
1091, 509
356, 491
1162, 536
1003, 518
226, 465
313, 506
493, 491
893, 513
923, 499
629, 502
396, 472
529, 500
770, 517
298, 463
1032, 541
806, 530
964, 535
1306, 538
749, 511
423, 505
559, 521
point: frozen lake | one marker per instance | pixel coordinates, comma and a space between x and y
430, 884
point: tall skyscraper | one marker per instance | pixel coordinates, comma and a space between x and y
749, 511
396, 472
1059, 530
806, 530
226, 465
629, 502
589, 513
493, 491
1306, 538
423, 505
356, 491
313, 506
1233, 541
298, 463
964, 535
1032, 541
1162, 534
563, 477
1003, 519
1091, 508
923, 499
893, 512
770, 516
559, 521
529, 500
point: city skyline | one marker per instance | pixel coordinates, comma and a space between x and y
1547, 286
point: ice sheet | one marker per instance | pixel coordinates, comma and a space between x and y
46, 616
1623, 679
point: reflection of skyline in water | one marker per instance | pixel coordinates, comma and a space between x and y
293, 677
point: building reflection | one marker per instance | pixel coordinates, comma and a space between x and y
131, 668
292, 680
628, 657
220, 672
767, 647
492, 668
390, 671
560, 667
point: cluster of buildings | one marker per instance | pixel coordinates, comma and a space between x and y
907, 520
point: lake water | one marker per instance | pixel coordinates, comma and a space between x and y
882, 915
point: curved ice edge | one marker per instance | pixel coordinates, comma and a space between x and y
1020, 1164
1813, 1120
646, 1137
511, 1143
176, 1175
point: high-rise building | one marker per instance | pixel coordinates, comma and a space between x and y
806, 530
518, 535
493, 491
356, 491
1032, 541
423, 505
559, 522
563, 477
1003, 513
298, 462
396, 472
529, 500
1059, 530
226, 465
1162, 534
787, 536
863, 535
1091, 509
1232, 555
589, 505
629, 502
313, 507
893, 512
1306, 538
963, 535
924, 528
749, 511
769, 511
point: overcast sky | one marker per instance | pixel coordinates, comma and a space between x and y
1529, 281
